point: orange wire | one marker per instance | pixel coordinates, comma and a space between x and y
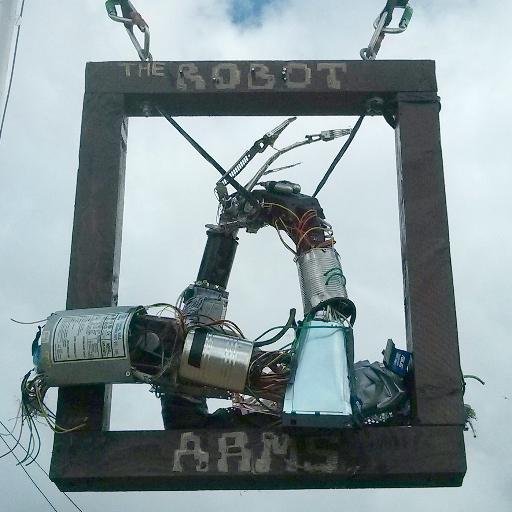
303, 220
316, 228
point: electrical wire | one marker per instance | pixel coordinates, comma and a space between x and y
282, 240
269, 330
30, 478
11, 77
39, 466
268, 374
270, 205
28, 323
302, 229
339, 156
289, 324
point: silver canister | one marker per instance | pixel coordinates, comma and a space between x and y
87, 346
321, 277
215, 360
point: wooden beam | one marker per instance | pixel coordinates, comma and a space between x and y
258, 87
256, 459
431, 321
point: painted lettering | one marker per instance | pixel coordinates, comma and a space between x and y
274, 444
190, 446
158, 69
127, 67
319, 448
226, 76
332, 76
233, 445
188, 72
144, 67
260, 77
298, 75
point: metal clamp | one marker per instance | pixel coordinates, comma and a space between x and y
135, 18
381, 25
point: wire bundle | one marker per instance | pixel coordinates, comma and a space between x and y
32, 409
268, 375
226, 327
308, 231
33, 392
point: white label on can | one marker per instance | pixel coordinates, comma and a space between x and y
80, 338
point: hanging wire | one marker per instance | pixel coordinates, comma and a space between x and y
339, 156
28, 323
11, 77
35, 461
28, 475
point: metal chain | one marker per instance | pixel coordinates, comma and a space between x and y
381, 26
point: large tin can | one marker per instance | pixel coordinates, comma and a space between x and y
216, 360
86, 346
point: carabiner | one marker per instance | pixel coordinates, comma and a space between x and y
370, 53
402, 25
129, 18
381, 26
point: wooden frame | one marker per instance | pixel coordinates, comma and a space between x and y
427, 453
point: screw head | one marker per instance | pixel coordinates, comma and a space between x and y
374, 106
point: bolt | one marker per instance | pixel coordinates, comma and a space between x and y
146, 109
128, 373
374, 106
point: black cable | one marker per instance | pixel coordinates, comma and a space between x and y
12, 72
343, 150
241, 190
39, 466
289, 324
31, 479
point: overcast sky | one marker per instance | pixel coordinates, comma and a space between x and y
169, 199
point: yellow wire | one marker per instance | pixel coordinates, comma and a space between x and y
265, 205
302, 221
43, 409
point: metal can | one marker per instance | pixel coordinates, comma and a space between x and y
321, 277
86, 346
216, 360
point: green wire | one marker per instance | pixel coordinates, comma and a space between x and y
269, 330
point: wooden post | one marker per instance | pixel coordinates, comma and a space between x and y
96, 244
431, 322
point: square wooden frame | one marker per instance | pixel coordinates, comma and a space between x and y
430, 452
